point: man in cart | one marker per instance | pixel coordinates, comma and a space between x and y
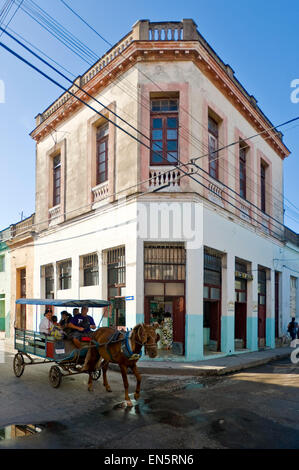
81, 326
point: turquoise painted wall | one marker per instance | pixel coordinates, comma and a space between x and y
139, 318
194, 338
252, 333
270, 332
228, 334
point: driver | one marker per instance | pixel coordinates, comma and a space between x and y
81, 324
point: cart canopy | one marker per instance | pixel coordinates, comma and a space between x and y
65, 303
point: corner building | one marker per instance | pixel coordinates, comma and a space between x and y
173, 221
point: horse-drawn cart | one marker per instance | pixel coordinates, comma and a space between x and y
47, 349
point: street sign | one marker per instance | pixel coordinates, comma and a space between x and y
129, 297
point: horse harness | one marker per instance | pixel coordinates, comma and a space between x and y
126, 345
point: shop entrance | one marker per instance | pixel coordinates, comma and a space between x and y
212, 326
212, 302
240, 325
169, 312
241, 278
164, 294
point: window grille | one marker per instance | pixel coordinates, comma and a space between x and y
65, 274
91, 270
165, 262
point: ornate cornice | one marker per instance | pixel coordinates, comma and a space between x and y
221, 75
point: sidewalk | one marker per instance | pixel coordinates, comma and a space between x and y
219, 366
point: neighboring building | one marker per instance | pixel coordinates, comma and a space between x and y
199, 242
21, 248
4, 284
287, 280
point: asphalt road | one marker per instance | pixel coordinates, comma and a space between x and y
255, 409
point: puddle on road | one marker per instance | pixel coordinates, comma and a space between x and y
139, 408
19, 430
193, 386
16, 431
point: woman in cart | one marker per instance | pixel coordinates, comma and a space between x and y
81, 325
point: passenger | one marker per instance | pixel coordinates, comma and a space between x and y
65, 319
46, 324
75, 312
82, 324
56, 329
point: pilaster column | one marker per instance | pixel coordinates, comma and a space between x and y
270, 313
139, 297
194, 304
252, 310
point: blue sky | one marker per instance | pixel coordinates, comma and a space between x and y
258, 38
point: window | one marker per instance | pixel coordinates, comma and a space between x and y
241, 290
2, 264
49, 281
293, 287
116, 273
213, 147
102, 153
65, 274
90, 270
212, 276
242, 177
262, 286
56, 180
164, 132
263, 187
164, 262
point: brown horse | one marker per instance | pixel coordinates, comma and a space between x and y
124, 349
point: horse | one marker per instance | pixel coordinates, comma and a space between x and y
122, 348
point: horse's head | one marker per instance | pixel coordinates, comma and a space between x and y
147, 336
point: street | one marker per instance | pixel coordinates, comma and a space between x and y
255, 409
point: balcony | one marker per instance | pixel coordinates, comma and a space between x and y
167, 180
54, 214
100, 192
22, 230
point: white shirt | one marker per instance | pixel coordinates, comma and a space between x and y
45, 326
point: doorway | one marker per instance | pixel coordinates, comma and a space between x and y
172, 333
212, 326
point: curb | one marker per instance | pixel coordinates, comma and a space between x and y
206, 372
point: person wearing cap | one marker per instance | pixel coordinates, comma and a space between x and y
76, 311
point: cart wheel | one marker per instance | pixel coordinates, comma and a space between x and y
18, 365
96, 374
55, 376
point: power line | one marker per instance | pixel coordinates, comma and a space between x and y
53, 68
138, 140
95, 57
110, 44
16, 11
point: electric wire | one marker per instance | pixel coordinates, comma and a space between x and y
121, 118
192, 117
79, 99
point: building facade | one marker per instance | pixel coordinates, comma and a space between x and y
140, 200
4, 285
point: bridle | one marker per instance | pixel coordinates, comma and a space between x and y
151, 345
